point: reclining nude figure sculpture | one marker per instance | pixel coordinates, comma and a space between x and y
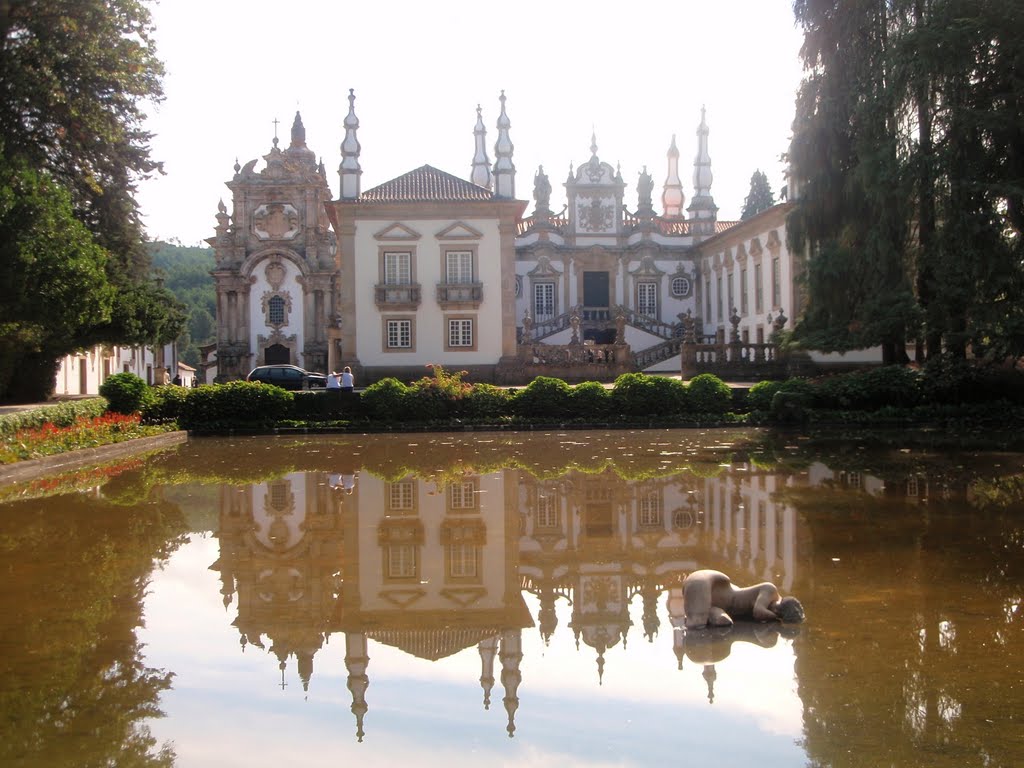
710, 599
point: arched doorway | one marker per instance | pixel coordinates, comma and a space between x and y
277, 354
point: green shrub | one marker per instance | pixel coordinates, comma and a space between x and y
544, 398
439, 396
166, 404
759, 396
790, 406
639, 394
870, 390
709, 394
590, 400
126, 393
60, 415
486, 401
385, 400
237, 403
951, 380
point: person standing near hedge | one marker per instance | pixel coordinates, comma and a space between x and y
333, 380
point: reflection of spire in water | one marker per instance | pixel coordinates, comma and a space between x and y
488, 648
710, 676
511, 656
356, 662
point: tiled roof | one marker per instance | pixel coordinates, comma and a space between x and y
721, 226
426, 184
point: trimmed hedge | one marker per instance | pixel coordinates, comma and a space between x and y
246, 403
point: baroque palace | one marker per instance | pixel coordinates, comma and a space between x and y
432, 268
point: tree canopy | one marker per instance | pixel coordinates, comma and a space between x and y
74, 77
760, 197
907, 146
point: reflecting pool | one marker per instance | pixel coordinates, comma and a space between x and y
509, 599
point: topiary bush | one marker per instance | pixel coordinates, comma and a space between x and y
639, 394
709, 394
590, 400
126, 393
385, 400
235, 404
544, 398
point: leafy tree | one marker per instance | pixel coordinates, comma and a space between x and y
74, 75
760, 198
907, 142
52, 281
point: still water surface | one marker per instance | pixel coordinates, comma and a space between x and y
497, 599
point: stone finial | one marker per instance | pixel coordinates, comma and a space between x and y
672, 197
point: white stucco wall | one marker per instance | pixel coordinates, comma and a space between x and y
430, 328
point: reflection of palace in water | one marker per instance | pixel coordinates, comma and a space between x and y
435, 568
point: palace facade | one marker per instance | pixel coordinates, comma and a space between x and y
432, 268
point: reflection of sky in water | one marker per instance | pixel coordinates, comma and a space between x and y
227, 707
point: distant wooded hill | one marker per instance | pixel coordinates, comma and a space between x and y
185, 271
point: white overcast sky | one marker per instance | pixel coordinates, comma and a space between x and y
634, 73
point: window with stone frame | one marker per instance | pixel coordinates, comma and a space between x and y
543, 302
651, 509
401, 560
275, 311
398, 334
647, 298
460, 333
401, 496
459, 267
732, 301
680, 287
547, 513
462, 560
462, 496
744, 304
397, 267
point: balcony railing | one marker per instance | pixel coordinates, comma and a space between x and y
397, 296
463, 294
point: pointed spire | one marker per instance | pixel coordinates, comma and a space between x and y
298, 131
702, 209
672, 197
702, 177
504, 169
593, 142
481, 175
349, 169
